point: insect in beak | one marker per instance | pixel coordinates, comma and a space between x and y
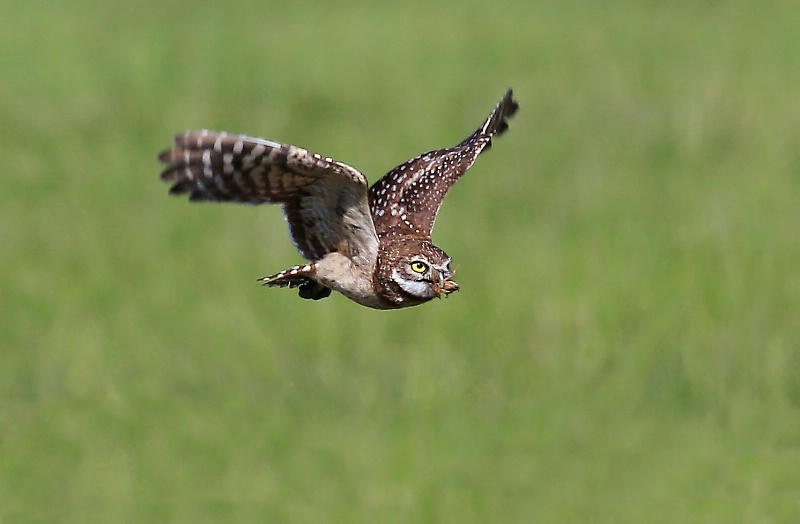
444, 286
449, 286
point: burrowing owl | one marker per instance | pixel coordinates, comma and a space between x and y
371, 244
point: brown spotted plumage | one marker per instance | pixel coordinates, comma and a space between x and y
371, 244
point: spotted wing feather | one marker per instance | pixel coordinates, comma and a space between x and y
407, 199
325, 202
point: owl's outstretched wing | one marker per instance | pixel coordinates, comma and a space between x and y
407, 199
324, 201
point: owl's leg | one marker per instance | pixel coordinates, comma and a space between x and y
314, 290
298, 277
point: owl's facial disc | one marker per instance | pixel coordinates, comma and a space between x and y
422, 279
414, 284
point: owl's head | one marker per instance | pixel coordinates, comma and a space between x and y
414, 271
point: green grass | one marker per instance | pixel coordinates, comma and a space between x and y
626, 344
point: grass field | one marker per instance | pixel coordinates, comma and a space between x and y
626, 344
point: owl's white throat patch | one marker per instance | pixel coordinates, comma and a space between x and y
417, 288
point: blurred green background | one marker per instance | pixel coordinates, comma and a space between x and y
626, 344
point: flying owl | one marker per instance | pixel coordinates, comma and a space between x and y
372, 244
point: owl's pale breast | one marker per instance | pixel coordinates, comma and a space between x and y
351, 278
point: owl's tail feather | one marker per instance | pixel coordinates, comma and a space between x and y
298, 277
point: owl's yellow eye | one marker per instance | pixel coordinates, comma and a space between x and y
419, 266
